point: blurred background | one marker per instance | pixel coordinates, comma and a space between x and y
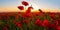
45, 5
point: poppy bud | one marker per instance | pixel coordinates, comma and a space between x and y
40, 10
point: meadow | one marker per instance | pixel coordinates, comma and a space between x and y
30, 21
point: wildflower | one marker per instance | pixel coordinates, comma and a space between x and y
26, 15
25, 3
38, 22
58, 28
26, 21
29, 9
18, 24
4, 17
45, 23
51, 25
21, 7
52, 15
4, 28
56, 22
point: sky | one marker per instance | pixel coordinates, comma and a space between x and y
45, 5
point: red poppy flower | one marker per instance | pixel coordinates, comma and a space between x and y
58, 28
45, 23
18, 24
4, 28
56, 23
38, 22
26, 21
51, 25
26, 15
4, 17
25, 3
29, 9
21, 7
37, 14
14, 21
52, 15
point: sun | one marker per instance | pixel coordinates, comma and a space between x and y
35, 7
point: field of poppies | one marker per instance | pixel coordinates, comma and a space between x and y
29, 21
